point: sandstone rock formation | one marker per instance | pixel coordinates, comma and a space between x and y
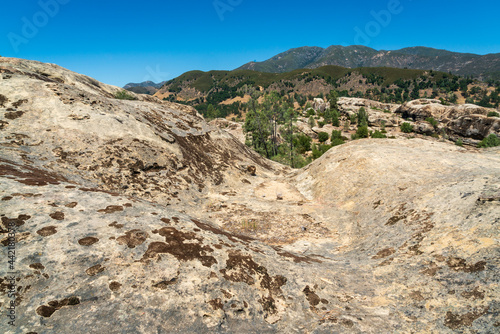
139, 217
320, 105
467, 120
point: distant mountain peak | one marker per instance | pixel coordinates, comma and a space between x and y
417, 57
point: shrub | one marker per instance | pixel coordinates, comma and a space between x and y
124, 95
459, 142
321, 124
362, 117
336, 134
491, 141
362, 132
303, 143
493, 114
335, 119
432, 121
322, 137
337, 142
319, 151
378, 134
311, 112
312, 122
406, 127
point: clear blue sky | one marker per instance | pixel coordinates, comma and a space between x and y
132, 41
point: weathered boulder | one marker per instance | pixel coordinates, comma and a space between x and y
351, 105
467, 120
474, 126
424, 108
320, 105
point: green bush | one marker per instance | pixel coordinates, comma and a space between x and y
124, 95
459, 142
406, 127
336, 134
321, 124
337, 142
362, 132
493, 114
322, 137
319, 151
311, 112
432, 121
335, 118
303, 143
311, 122
491, 141
378, 134
353, 118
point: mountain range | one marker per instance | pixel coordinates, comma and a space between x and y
483, 67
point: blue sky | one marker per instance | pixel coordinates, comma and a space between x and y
132, 41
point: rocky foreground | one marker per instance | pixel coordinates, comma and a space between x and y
138, 217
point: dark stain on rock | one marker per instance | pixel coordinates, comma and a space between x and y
242, 268
174, 245
296, 258
384, 253
226, 293
455, 321
417, 296
163, 285
47, 231
111, 209
7, 198
92, 271
13, 114
347, 323
459, 264
232, 237
29, 175
311, 297
88, 241
127, 205
58, 215
473, 294
71, 205
47, 311
431, 270
216, 304
116, 225
133, 238
18, 103
165, 220
114, 286
37, 266
19, 221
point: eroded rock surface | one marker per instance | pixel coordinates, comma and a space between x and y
137, 216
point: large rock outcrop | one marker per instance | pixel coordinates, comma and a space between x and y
466, 120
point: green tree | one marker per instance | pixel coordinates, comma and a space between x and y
406, 127
336, 134
362, 132
322, 137
312, 122
362, 117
